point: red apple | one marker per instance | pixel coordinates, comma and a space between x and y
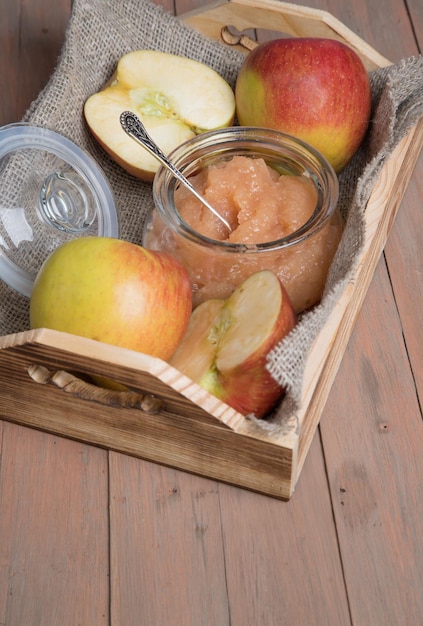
313, 88
116, 292
227, 342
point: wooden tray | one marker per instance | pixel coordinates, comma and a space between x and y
42, 372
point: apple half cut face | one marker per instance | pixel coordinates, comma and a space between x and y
175, 98
227, 342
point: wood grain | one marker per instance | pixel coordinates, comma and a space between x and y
54, 531
404, 254
405, 261
230, 556
173, 532
375, 467
372, 426
415, 8
28, 59
278, 571
54, 554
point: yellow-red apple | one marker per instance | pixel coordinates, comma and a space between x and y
175, 98
316, 89
227, 342
113, 291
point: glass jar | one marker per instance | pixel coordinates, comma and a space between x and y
301, 258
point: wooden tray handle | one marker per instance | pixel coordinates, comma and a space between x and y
88, 391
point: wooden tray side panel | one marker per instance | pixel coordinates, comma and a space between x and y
192, 441
283, 17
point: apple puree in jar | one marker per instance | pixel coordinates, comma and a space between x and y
261, 206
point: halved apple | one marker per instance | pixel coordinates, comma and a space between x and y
197, 350
175, 98
226, 344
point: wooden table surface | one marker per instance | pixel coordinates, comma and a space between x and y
90, 537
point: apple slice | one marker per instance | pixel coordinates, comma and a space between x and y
196, 353
226, 344
175, 98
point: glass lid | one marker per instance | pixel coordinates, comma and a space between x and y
50, 191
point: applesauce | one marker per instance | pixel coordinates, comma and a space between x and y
279, 197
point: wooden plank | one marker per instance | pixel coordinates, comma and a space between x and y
405, 260
282, 561
54, 549
9, 65
254, 574
53, 518
167, 552
373, 449
168, 5
372, 433
416, 14
27, 61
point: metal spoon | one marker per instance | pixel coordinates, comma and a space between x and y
133, 126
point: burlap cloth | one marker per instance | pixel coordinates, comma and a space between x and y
98, 34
